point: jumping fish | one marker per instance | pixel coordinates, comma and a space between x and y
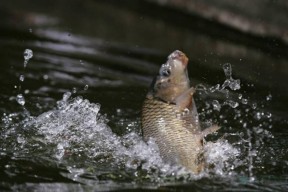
169, 115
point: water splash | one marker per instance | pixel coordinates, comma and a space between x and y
233, 84
76, 135
218, 156
246, 132
79, 131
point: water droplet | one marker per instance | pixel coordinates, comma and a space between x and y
26, 91
225, 84
244, 125
20, 99
269, 97
234, 84
20, 140
119, 111
28, 54
216, 105
227, 70
240, 96
214, 88
200, 87
254, 105
45, 77
258, 116
268, 115
244, 101
86, 87
231, 103
74, 90
21, 78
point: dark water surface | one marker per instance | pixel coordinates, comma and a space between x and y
78, 128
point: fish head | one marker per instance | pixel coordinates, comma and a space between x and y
172, 79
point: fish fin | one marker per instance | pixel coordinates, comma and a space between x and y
184, 101
186, 104
210, 130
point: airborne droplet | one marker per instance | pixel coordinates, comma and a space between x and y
231, 103
21, 78
227, 70
216, 105
74, 90
28, 54
20, 99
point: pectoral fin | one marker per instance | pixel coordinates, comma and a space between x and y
184, 100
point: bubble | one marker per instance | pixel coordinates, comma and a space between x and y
20, 99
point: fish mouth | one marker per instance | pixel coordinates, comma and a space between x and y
180, 56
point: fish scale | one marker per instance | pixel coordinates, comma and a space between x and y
177, 144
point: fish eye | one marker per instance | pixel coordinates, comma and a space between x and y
165, 72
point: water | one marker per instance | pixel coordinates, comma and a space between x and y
70, 117
28, 54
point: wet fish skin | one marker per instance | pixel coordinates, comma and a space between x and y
169, 115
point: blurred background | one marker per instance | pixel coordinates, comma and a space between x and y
109, 51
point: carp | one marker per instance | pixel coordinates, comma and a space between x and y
170, 117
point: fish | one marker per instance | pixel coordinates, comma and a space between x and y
170, 117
